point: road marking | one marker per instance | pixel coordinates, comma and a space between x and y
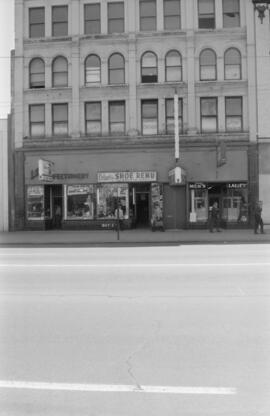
137, 265
117, 388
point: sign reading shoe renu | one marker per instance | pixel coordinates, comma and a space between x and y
127, 176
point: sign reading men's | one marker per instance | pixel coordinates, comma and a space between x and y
45, 170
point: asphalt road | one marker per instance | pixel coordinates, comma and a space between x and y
136, 331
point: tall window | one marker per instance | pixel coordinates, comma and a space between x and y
117, 117
149, 70
233, 112
148, 15
232, 63
206, 12
172, 17
116, 17
92, 69
37, 73
60, 119
173, 66
170, 115
60, 72
149, 111
92, 18
37, 120
208, 65
60, 20
37, 22
93, 118
209, 119
231, 13
116, 69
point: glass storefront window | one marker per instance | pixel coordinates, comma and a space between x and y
80, 202
107, 197
235, 203
35, 203
198, 203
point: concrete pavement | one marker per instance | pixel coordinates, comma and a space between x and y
140, 236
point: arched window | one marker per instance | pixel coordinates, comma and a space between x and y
173, 66
92, 69
37, 73
208, 65
232, 64
116, 69
149, 71
60, 72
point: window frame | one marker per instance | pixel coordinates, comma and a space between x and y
202, 116
31, 123
116, 69
226, 65
172, 15
239, 116
143, 18
154, 101
236, 13
57, 22
65, 73
173, 66
31, 85
113, 19
86, 5
86, 120
41, 24
87, 83
111, 131
145, 67
169, 117
54, 122
208, 66
201, 18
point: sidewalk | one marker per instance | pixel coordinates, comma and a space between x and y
130, 237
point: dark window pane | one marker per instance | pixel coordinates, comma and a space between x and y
37, 113
233, 106
60, 112
232, 57
208, 106
115, 10
117, 112
149, 109
206, 11
207, 22
172, 22
60, 29
92, 18
36, 15
148, 23
37, 22
60, 14
206, 6
171, 7
93, 111
147, 15
117, 76
116, 26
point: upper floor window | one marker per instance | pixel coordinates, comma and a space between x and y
233, 112
231, 13
206, 12
149, 111
37, 22
92, 18
60, 20
93, 118
149, 70
172, 17
60, 72
92, 69
148, 15
209, 114
116, 17
173, 66
208, 65
37, 73
37, 120
60, 119
116, 69
232, 64
170, 115
117, 117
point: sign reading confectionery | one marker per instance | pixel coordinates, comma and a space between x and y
127, 176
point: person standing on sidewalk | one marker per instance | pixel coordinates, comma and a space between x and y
214, 217
258, 222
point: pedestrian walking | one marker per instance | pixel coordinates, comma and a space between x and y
258, 222
214, 217
58, 217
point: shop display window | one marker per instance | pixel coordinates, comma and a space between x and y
198, 203
235, 203
108, 195
35, 203
80, 202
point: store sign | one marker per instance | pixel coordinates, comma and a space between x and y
79, 189
177, 176
137, 176
197, 186
237, 185
45, 168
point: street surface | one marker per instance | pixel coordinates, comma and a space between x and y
135, 331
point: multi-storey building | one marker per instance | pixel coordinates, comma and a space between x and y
94, 86
4, 224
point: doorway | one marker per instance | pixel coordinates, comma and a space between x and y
53, 203
142, 205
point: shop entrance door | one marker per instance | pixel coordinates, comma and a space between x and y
53, 206
142, 205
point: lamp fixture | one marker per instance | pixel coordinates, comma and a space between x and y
261, 7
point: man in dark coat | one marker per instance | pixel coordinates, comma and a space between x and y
258, 218
214, 217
